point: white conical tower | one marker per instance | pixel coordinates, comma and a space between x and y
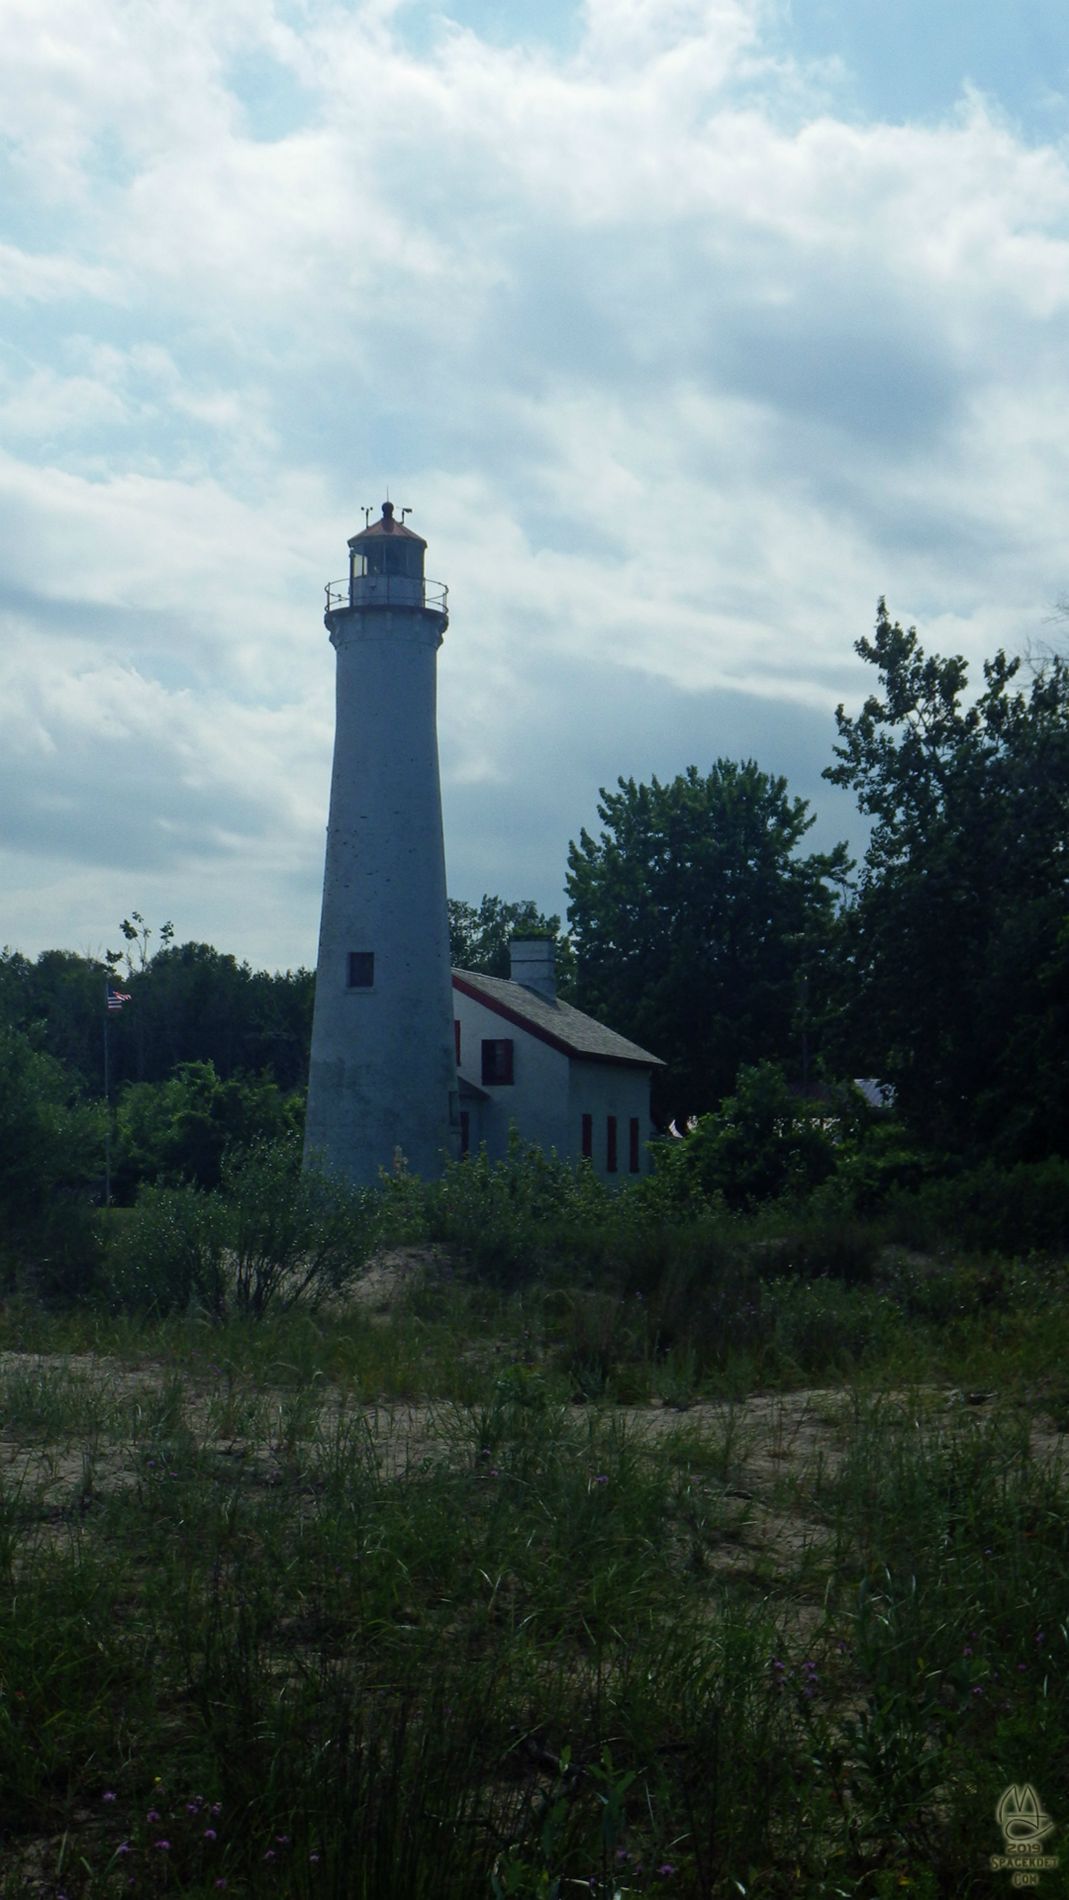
383, 1080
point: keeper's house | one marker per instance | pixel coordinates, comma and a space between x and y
529, 1060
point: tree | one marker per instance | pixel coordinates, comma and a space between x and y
699, 930
479, 936
51, 1141
181, 1129
958, 945
763, 1143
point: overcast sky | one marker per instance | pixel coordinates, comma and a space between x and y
685, 327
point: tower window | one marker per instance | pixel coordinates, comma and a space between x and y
361, 969
497, 1061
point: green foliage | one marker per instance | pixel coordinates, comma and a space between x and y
298, 1236
189, 1004
179, 1130
763, 1143
700, 931
988, 1209
169, 1253
51, 1157
51, 1142
479, 937
271, 1238
509, 1218
958, 950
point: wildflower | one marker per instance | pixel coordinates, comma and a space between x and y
110, 1795
210, 1834
221, 1883
270, 1854
152, 1815
602, 1478
164, 1846
666, 1870
217, 1807
283, 1840
314, 1859
124, 1848
967, 1651
978, 1688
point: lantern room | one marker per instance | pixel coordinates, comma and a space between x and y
386, 563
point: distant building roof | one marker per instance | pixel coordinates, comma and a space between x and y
562, 1026
877, 1094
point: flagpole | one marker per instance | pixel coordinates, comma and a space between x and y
107, 1099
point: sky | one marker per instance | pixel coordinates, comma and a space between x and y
686, 328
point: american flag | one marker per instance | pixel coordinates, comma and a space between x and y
116, 998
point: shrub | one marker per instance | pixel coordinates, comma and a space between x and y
169, 1253
989, 1209
511, 1218
762, 1144
297, 1235
273, 1237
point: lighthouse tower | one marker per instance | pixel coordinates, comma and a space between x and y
383, 1072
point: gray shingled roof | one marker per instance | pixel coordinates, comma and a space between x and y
555, 1021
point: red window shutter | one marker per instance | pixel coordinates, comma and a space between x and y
610, 1144
588, 1137
456, 1037
634, 1145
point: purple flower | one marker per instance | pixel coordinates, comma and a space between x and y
270, 1854
221, 1883
152, 1815
124, 1848
314, 1858
109, 1796
164, 1846
967, 1651
602, 1478
666, 1870
210, 1834
283, 1840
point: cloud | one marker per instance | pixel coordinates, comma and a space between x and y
679, 367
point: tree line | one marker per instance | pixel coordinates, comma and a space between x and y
700, 927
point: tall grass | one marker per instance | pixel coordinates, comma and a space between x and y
526, 1648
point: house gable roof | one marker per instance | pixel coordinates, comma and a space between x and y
557, 1023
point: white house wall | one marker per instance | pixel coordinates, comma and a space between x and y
601, 1089
537, 1098
549, 1095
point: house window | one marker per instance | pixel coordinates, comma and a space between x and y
456, 1038
497, 1061
361, 969
588, 1137
634, 1145
610, 1144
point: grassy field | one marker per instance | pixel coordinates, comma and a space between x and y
549, 1591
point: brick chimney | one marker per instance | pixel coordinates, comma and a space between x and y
532, 962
